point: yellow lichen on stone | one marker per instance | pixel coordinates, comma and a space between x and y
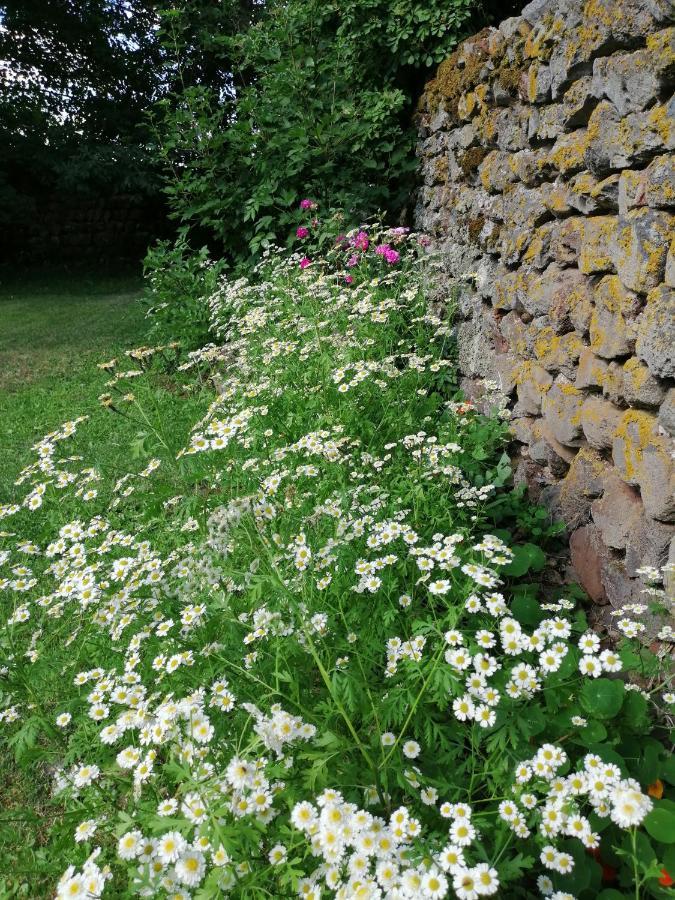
661, 122
568, 151
661, 48
596, 244
635, 433
554, 351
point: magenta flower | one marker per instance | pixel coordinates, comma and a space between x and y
392, 256
307, 204
381, 249
304, 262
349, 279
353, 260
361, 242
302, 232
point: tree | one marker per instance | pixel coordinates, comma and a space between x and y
76, 80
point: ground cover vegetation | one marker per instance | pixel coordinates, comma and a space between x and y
55, 329
294, 642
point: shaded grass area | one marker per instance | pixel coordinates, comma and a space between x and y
53, 332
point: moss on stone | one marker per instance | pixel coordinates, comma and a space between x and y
475, 226
472, 158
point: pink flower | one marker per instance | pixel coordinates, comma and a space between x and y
307, 204
304, 262
302, 232
361, 242
353, 260
392, 256
381, 249
349, 279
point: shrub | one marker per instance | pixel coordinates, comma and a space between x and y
179, 281
300, 656
313, 95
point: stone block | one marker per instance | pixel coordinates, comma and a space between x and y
655, 343
569, 152
653, 187
614, 142
667, 413
597, 244
546, 123
549, 451
566, 240
507, 128
640, 388
612, 328
524, 206
508, 288
641, 247
561, 407
538, 250
591, 371
647, 544
669, 579
532, 383
589, 195
506, 372
631, 81
530, 166
587, 555
578, 102
612, 389
669, 274
583, 483
556, 196
556, 293
644, 459
476, 341
495, 172
517, 335
538, 83
557, 353
599, 422
617, 512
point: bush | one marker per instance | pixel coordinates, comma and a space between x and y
179, 282
320, 99
305, 655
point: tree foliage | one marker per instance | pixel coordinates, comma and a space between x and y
318, 99
76, 80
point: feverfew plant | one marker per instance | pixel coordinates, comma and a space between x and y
318, 667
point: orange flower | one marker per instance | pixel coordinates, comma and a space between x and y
665, 878
656, 789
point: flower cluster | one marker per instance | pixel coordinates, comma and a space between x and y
289, 651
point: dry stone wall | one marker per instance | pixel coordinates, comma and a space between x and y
546, 148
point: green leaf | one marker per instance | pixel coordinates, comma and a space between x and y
526, 610
602, 697
526, 558
660, 824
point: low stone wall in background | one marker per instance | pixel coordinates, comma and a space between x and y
546, 148
68, 229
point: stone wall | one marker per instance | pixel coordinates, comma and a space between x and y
549, 188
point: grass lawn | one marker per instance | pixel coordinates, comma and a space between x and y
53, 332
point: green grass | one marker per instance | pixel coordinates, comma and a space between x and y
54, 331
